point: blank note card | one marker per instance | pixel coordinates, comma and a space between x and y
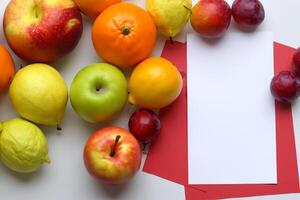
231, 114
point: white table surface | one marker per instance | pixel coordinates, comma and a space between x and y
66, 178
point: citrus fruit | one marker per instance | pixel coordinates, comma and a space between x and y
154, 83
93, 8
23, 146
124, 34
39, 93
7, 69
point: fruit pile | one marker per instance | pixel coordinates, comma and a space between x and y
211, 18
124, 36
285, 86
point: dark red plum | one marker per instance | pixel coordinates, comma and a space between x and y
144, 124
285, 87
296, 62
248, 13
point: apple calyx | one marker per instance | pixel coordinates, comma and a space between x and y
126, 30
113, 150
99, 89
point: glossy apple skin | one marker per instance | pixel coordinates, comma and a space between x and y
296, 62
144, 124
98, 92
285, 87
44, 31
116, 169
211, 18
248, 13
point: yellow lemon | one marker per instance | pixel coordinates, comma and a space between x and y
155, 83
23, 146
39, 93
170, 16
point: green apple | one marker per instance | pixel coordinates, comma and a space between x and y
99, 92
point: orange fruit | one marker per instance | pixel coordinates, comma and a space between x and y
124, 35
154, 83
7, 69
93, 8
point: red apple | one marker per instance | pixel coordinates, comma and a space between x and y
144, 124
211, 18
112, 155
44, 30
285, 87
296, 62
248, 13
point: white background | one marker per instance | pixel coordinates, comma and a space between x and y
219, 131
66, 178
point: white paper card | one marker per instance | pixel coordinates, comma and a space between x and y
231, 114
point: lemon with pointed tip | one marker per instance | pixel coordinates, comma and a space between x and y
155, 83
39, 93
23, 146
170, 16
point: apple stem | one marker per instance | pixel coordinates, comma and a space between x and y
113, 151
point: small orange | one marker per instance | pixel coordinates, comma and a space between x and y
93, 8
155, 83
124, 34
7, 69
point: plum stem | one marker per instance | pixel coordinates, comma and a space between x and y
171, 40
144, 148
113, 150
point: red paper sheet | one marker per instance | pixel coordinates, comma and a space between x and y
168, 156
